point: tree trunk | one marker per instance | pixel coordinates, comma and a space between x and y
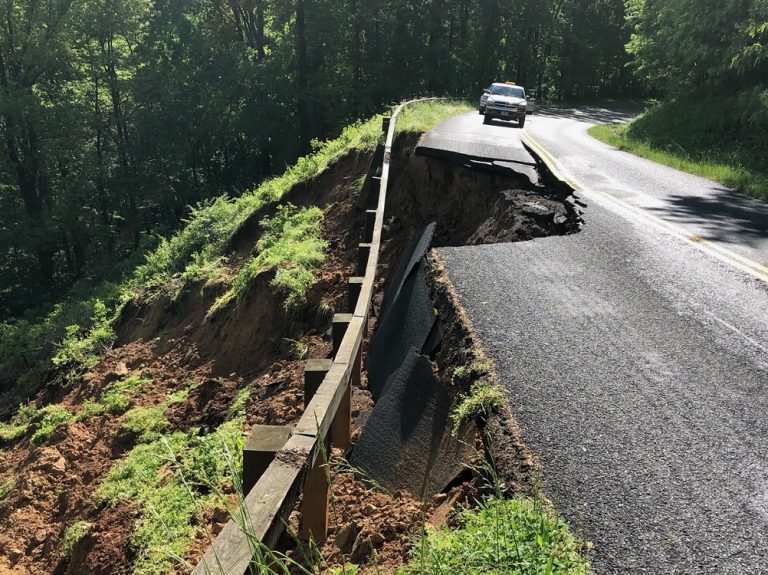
302, 80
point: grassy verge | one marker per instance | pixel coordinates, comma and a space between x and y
423, 116
714, 166
519, 536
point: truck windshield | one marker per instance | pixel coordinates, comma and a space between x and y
512, 91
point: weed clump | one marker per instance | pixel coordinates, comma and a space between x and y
53, 417
519, 536
6, 487
291, 245
17, 427
483, 400
117, 398
72, 535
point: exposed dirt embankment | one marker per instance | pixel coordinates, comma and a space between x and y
256, 348
470, 205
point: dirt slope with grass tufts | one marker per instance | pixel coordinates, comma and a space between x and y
125, 468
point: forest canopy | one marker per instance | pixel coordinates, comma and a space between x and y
117, 115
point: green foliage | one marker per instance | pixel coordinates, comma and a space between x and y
200, 464
145, 423
75, 330
678, 51
483, 400
674, 144
72, 535
237, 409
117, 397
6, 487
14, 429
292, 246
52, 417
502, 537
82, 348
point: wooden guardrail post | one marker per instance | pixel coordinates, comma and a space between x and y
363, 251
341, 428
354, 287
339, 328
370, 222
263, 442
314, 374
314, 507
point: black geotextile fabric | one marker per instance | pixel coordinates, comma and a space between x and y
411, 256
407, 442
407, 324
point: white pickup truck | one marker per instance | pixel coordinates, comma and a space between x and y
505, 101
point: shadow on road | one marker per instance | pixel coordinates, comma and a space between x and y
725, 215
589, 114
503, 123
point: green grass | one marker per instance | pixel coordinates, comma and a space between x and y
53, 416
720, 170
519, 536
19, 424
147, 423
6, 487
421, 117
117, 398
483, 400
171, 478
72, 535
291, 245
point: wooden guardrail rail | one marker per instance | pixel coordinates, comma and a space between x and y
297, 466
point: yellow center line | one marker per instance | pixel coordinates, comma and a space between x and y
747, 265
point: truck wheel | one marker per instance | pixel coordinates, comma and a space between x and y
521, 122
481, 111
486, 119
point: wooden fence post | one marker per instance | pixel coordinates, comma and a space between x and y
363, 251
314, 374
259, 451
354, 287
314, 508
339, 328
370, 222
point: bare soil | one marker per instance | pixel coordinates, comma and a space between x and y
168, 339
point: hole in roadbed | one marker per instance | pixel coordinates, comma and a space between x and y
474, 203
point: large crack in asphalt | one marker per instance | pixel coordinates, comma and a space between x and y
474, 201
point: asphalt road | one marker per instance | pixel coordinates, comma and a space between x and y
636, 360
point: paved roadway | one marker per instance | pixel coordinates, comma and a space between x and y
636, 357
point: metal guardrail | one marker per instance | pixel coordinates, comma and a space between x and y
297, 466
